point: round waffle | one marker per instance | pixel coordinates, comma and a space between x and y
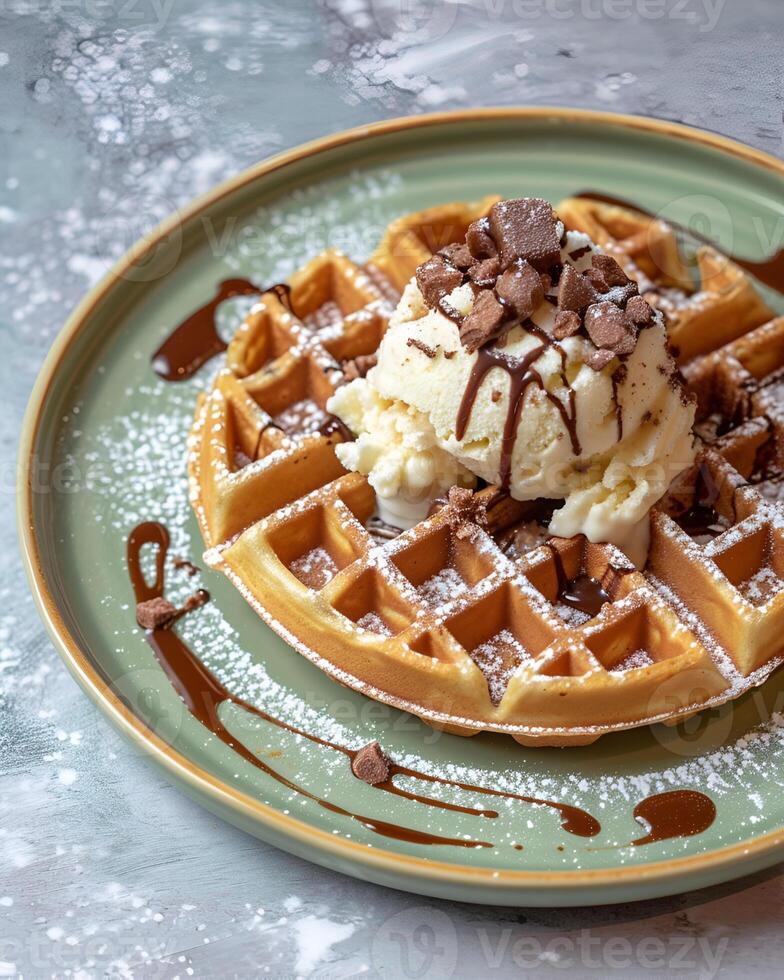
470, 627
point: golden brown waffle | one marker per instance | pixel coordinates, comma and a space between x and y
446, 620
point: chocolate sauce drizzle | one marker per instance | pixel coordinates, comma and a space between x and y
583, 592
680, 813
196, 340
521, 374
769, 270
203, 694
702, 519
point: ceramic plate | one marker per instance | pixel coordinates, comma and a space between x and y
104, 449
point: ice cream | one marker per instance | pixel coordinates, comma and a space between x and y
524, 357
397, 447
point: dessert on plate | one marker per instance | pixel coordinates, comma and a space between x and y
520, 472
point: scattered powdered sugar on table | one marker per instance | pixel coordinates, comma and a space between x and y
121, 88
315, 937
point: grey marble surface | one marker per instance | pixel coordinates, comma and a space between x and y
112, 108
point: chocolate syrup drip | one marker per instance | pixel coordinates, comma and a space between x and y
702, 519
332, 425
680, 813
518, 537
521, 375
618, 408
203, 694
196, 340
769, 270
583, 592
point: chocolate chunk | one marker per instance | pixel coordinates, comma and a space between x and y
155, 614
459, 255
640, 312
610, 328
620, 295
436, 279
485, 273
358, 367
370, 764
421, 345
480, 241
525, 229
606, 273
578, 253
520, 287
575, 292
599, 359
567, 323
484, 323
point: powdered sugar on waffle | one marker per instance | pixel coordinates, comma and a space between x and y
442, 587
761, 587
315, 568
498, 658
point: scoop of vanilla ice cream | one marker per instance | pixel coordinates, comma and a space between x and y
632, 427
398, 450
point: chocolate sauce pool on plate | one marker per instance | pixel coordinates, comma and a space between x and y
202, 693
679, 813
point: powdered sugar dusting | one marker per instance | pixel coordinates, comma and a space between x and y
498, 658
633, 660
315, 568
762, 586
442, 587
374, 623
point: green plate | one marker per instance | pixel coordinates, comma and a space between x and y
104, 448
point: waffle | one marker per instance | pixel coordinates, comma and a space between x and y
468, 627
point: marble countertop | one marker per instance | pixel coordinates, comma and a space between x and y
110, 107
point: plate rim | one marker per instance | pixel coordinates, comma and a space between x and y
174, 762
